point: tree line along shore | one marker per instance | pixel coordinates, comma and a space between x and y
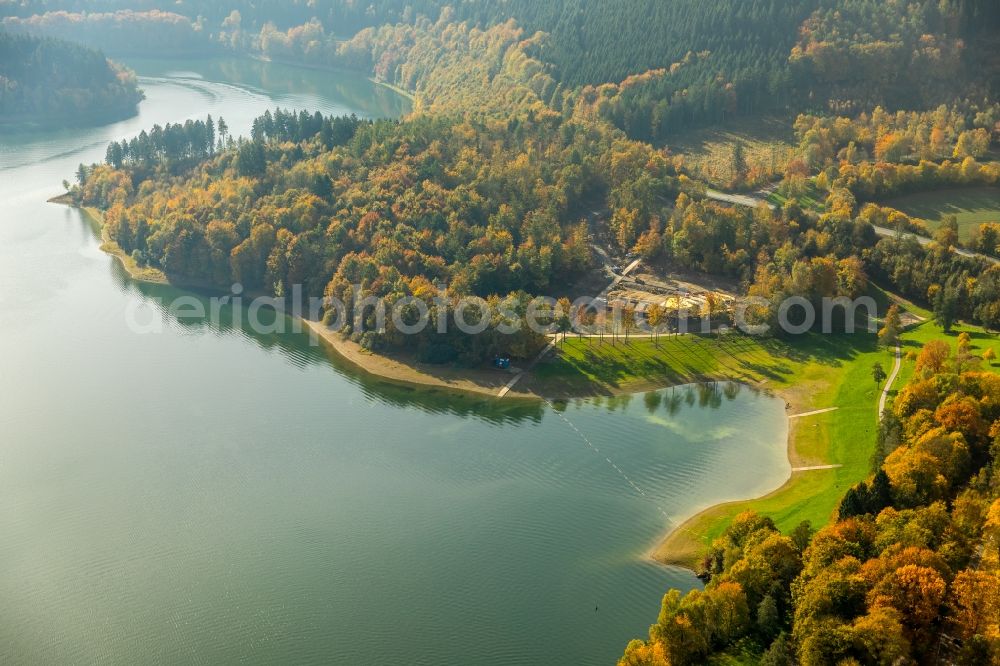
489, 185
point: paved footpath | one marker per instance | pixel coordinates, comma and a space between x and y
924, 241
888, 383
748, 200
818, 411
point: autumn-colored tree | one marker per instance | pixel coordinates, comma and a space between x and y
656, 315
640, 653
888, 335
939, 142
881, 636
564, 320
947, 233
933, 357
625, 224
927, 470
974, 604
891, 148
972, 143
962, 414
917, 594
628, 320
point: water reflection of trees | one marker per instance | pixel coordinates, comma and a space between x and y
672, 400
296, 348
347, 89
709, 394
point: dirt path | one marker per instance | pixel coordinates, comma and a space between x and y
739, 199
924, 241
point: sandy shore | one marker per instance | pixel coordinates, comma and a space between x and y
398, 368
391, 367
109, 246
676, 548
680, 546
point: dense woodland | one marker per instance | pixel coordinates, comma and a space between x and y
946, 132
710, 61
46, 79
488, 189
392, 207
509, 163
714, 61
121, 32
909, 572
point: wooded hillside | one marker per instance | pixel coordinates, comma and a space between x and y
44, 79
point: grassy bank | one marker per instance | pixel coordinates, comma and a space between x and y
972, 206
810, 372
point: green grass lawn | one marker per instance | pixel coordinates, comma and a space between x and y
972, 206
811, 372
915, 338
589, 366
812, 198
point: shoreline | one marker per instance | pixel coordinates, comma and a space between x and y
402, 92
673, 548
84, 120
677, 548
398, 369
394, 368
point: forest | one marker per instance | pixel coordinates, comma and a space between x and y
486, 187
43, 80
392, 207
711, 60
908, 573
528, 118
121, 32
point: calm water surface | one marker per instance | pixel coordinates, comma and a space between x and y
207, 495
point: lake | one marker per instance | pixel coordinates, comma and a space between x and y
210, 495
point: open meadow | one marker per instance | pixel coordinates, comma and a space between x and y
972, 207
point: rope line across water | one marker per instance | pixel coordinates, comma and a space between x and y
610, 462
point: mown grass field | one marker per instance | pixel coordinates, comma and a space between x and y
810, 372
917, 337
811, 198
971, 206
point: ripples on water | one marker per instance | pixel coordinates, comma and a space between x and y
209, 495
